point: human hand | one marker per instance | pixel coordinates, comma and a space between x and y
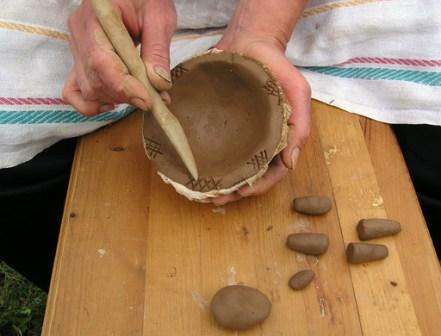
271, 52
99, 79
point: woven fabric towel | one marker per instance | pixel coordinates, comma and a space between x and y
378, 58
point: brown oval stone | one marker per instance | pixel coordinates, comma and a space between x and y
312, 205
372, 228
240, 307
358, 253
301, 279
308, 243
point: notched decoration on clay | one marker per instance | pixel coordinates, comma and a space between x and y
152, 148
259, 160
273, 89
243, 94
177, 72
204, 184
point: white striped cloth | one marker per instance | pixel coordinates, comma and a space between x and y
378, 58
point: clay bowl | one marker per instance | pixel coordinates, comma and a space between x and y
235, 117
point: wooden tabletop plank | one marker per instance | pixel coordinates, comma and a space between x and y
417, 254
333, 286
99, 273
197, 251
383, 308
138, 259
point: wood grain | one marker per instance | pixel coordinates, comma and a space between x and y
208, 250
418, 256
138, 259
383, 309
99, 274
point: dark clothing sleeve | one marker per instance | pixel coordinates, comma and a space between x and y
31, 202
421, 147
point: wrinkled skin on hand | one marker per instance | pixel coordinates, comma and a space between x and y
271, 52
99, 79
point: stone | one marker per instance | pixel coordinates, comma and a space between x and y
376, 228
240, 307
308, 243
358, 253
312, 205
301, 279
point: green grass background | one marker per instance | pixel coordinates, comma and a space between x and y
22, 304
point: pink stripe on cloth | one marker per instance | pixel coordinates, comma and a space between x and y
31, 101
397, 61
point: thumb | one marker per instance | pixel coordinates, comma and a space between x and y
159, 24
298, 93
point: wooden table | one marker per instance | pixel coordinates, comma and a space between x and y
134, 258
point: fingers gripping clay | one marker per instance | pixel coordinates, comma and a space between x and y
235, 117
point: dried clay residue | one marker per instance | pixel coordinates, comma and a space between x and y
199, 299
329, 154
378, 201
323, 306
219, 210
232, 276
101, 252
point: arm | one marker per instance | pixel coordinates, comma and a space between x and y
261, 29
272, 20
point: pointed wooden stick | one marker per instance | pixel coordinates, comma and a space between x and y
120, 38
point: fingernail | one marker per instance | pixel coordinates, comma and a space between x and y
165, 97
164, 74
139, 103
294, 157
106, 108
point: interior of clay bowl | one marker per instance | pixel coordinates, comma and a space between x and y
229, 108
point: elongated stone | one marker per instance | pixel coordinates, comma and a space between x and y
308, 243
376, 228
358, 253
312, 205
301, 279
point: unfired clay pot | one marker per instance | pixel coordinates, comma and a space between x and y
235, 117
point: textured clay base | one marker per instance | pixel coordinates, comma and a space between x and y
234, 116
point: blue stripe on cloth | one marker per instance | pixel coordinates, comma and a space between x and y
58, 116
420, 77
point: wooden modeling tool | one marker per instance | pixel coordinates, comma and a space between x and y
118, 35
